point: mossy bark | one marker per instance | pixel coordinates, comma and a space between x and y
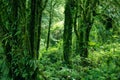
67, 36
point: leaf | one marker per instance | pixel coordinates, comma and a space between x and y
92, 43
115, 36
24, 75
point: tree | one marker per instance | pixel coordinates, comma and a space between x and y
22, 37
85, 22
37, 8
50, 22
11, 30
67, 35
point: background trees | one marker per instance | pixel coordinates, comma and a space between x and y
51, 39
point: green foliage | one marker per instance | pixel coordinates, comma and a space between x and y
104, 45
102, 64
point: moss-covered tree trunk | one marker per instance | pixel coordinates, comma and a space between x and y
34, 29
86, 9
67, 35
21, 40
50, 22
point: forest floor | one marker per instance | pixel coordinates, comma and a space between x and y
103, 64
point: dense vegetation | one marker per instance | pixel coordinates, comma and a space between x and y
59, 40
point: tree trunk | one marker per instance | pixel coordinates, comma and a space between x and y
34, 30
85, 21
32, 27
67, 35
50, 22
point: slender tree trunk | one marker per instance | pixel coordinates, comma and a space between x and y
39, 33
32, 27
50, 22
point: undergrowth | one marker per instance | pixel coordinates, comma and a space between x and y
103, 64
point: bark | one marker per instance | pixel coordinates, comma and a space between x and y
85, 24
32, 27
67, 35
50, 22
37, 8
